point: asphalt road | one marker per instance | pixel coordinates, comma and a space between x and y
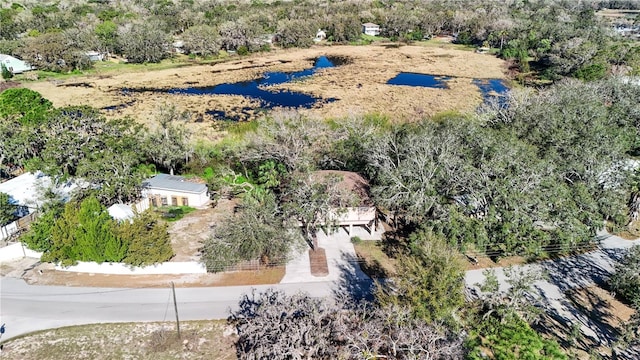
26, 308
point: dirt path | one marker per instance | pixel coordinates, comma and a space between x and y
189, 233
359, 86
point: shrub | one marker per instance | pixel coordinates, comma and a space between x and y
356, 240
6, 74
626, 279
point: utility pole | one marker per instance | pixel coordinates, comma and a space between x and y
175, 306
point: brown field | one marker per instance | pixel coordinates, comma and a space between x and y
360, 86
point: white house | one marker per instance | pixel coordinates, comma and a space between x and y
371, 29
26, 192
126, 212
171, 190
15, 65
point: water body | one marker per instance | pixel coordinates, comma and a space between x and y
491, 89
254, 89
415, 79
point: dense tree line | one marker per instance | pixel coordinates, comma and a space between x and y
535, 178
79, 142
557, 38
84, 231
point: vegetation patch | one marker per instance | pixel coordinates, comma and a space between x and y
145, 341
175, 213
374, 261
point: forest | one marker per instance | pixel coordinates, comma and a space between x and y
535, 175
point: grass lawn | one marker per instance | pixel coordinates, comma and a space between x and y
157, 341
175, 213
373, 260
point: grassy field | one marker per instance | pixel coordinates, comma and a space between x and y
153, 341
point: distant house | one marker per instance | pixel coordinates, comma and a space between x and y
178, 47
371, 29
320, 35
95, 55
171, 190
15, 65
126, 212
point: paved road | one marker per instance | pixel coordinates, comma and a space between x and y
569, 273
25, 308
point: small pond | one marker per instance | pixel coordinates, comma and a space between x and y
491, 89
415, 79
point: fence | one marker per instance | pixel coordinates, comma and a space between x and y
17, 227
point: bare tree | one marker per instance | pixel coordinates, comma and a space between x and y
272, 325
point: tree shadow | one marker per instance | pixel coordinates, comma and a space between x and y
579, 271
354, 286
577, 320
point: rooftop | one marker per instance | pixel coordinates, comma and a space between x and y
174, 182
27, 189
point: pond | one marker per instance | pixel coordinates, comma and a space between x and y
254, 89
415, 79
491, 89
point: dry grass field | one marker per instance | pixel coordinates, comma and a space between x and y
359, 85
140, 341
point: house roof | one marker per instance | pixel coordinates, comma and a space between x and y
27, 189
370, 24
350, 182
174, 183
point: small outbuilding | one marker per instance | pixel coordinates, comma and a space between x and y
172, 190
15, 65
95, 55
371, 29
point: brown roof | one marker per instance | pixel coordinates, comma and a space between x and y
352, 182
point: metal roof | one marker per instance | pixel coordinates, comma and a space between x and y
174, 183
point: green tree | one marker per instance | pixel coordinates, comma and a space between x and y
295, 33
53, 52
202, 40
27, 106
432, 281
510, 339
147, 238
626, 278
7, 209
107, 33
168, 145
39, 236
85, 232
79, 141
6, 74
257, 231
144, 43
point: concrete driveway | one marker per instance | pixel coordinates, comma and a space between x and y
341, 258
